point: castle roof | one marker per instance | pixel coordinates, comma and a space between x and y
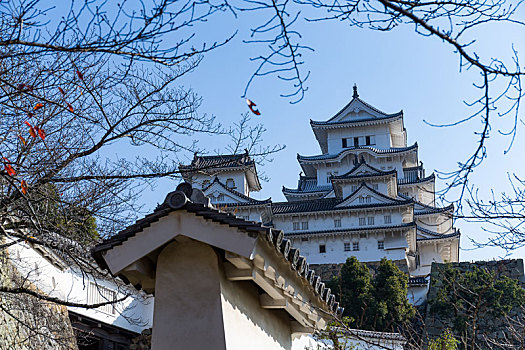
307, 185
362, 169
211, 165
354, 229
334, 204
405, 181
239, 195
428, 235
353, 107
356, 113
245, 241
322, 157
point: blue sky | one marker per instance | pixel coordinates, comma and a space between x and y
394, 70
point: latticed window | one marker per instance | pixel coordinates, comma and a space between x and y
322, 248
371, 220
388, 219
362, 221
380, 245
355, 246
296, 226
98, 294
230, 183
375, 186
304, 225
347, 246
337, 222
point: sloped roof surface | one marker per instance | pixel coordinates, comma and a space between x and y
211, 213
373, 149
379, 115
249, 200
219, 161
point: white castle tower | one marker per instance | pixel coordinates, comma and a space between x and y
365, 195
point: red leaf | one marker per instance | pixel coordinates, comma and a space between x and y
32, 131
23, 184
38, 106
70, 107
24, 142
251, 104
79, 75
61, 90
9, 168
41, 133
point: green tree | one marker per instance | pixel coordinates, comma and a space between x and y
446, 341
477, 303
375, 303
354, 286
391, 306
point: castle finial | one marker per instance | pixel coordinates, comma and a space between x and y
355, 95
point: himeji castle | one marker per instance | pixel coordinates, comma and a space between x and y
365, 195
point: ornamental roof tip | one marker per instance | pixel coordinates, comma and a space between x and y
194, 201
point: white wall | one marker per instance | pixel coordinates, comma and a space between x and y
134, 314
241, 184
335, 253
381, 133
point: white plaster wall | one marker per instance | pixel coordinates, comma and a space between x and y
428, 253
134, 314
309, 343
237, 176
381, 133
335, 253
247, 325
349, 220
417, 295
440, 223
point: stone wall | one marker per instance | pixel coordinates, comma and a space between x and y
327, 271
28, 323
495, 329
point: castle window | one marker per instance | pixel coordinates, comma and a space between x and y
296, 226
337, 222
205, 183
347, 246
362, 221
388, 219
322, 248
98, 294
304, 225
371, 220
355, 246
356, 141
354, 188
375, 186
365, 199
246, 217
380, 245
230, 183
345, 145
370, 140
